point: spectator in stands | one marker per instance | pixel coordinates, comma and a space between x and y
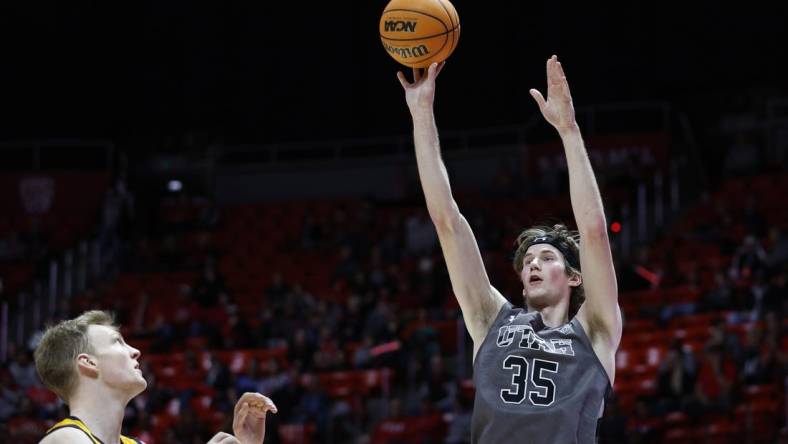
24, 427
300, 349
675, 380
765, 364
10, 395
314, 405
189, 428
755, 296
251, 379
347, 265
716, 378
460, 421
328, 356
23, 370
613, 425
235, 333
720, 337
774, 298
210, 284
720, 297
643, 426
753, 218
420, 235
218, 374
276, 289
274, 379
777, 254
439, 384
749, 259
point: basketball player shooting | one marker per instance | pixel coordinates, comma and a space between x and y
541, 374
86, 362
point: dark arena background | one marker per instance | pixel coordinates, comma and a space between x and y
236, 181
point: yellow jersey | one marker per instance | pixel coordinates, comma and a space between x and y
76, 423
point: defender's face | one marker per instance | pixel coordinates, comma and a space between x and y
116, 361
544, 277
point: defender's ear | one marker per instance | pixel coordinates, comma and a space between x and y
86, 365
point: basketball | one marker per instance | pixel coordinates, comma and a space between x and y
417, 33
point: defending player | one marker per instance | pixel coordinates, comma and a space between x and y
87, 363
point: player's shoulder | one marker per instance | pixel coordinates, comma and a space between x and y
64, 435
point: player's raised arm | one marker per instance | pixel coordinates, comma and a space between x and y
600, 313
478, 300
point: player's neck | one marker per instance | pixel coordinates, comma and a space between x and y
554, 315
101, 412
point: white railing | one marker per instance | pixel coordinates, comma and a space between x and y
77, 267
67, 275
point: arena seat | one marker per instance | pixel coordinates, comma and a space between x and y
296, 433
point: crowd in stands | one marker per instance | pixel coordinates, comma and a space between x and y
341, 311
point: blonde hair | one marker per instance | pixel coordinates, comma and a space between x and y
569, 239
56, 354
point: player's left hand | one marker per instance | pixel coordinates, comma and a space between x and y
557, 109
249, 417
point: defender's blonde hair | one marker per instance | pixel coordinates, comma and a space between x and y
56, 354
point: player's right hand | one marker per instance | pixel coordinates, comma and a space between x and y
420, 93
223, 438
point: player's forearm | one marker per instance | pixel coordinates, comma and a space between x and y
583, 190
432, 171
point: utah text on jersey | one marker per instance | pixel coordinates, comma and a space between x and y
528, 338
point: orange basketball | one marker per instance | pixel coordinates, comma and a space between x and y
419, 32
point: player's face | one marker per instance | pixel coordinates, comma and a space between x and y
545, 282
116, 361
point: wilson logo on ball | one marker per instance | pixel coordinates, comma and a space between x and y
400, 26
406, 53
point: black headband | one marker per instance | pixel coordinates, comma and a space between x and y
562, 246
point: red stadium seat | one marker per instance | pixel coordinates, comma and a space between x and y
681, 436
409, 430
296, 433
675, 420
761, 393
724, 432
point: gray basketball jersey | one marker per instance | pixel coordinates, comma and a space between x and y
536, 384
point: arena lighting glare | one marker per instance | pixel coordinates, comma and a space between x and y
174, 186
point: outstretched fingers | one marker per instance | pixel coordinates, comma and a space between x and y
254, 401
540, 101
435, 69
402, 80
417, 74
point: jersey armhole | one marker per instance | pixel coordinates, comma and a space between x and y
505, 308
587, 342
